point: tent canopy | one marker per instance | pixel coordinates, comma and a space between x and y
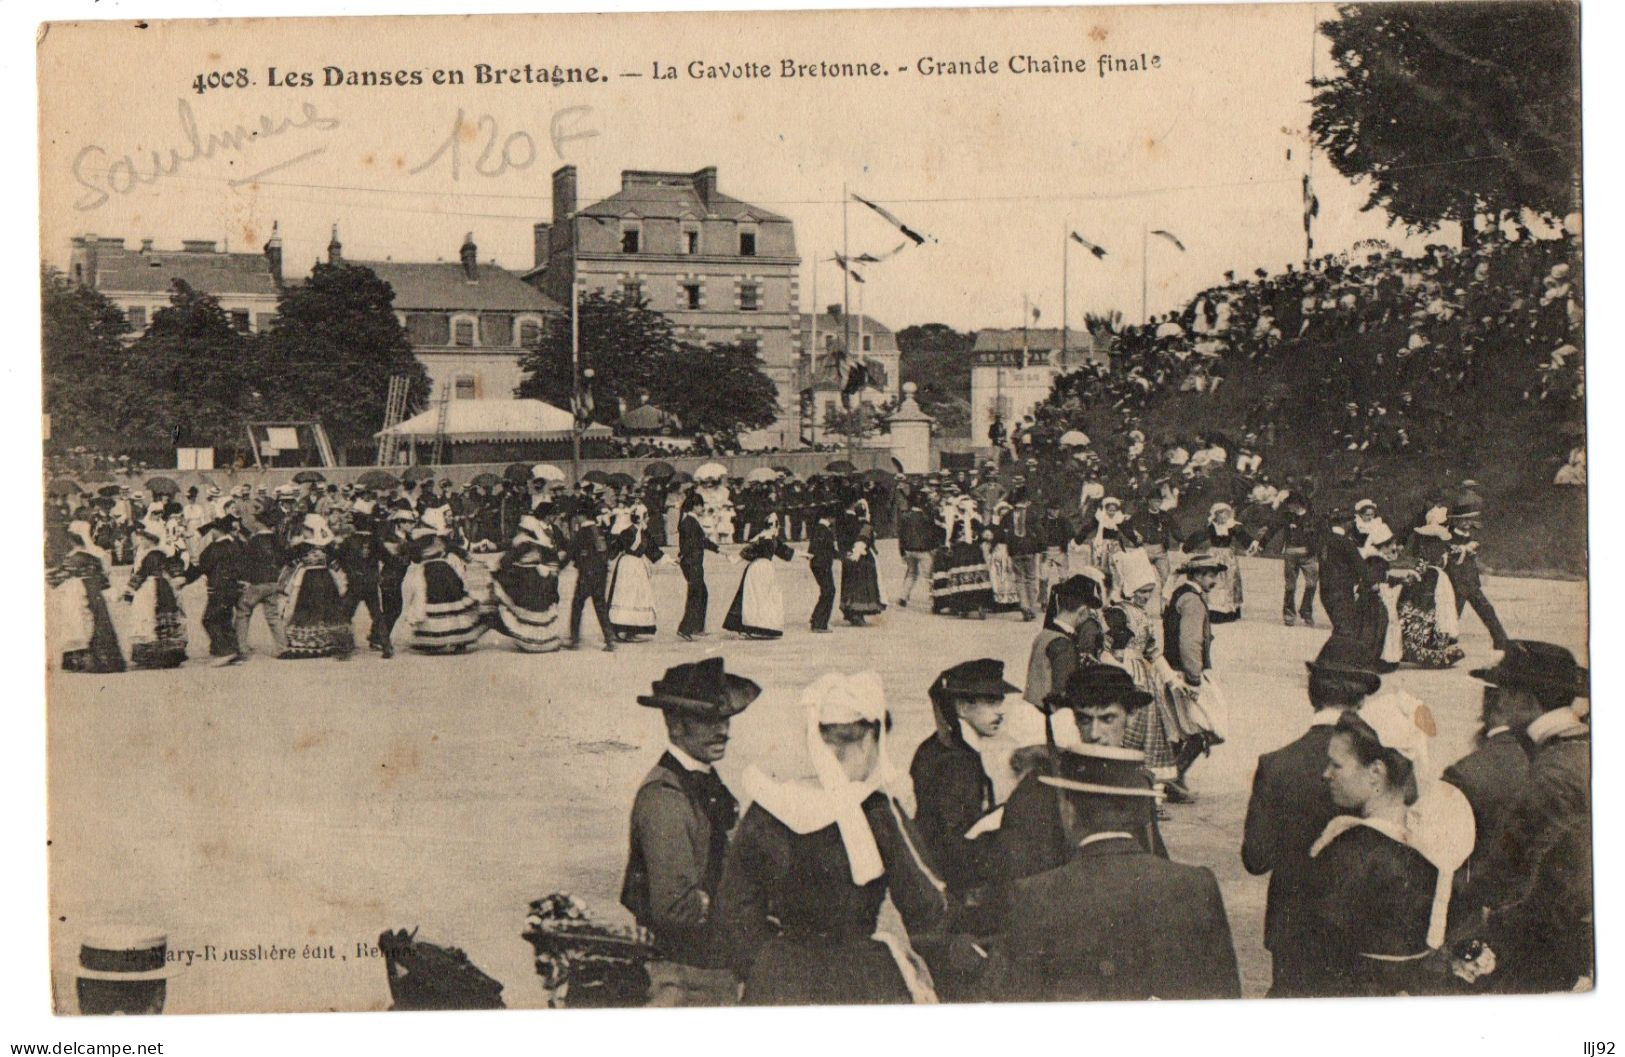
647, 418
484, 421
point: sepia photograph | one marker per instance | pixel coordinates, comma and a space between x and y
814, 508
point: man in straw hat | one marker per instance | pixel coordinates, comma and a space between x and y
682, 817
1150, 928
1462, 568
124, 970
1187, 636
1536, 888
1290, 807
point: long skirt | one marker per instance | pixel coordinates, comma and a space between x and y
98, 651
158, 631
317, 622
1001, 573
959, 579
758, 606
631, 598
527, 601
1224, 601
1427, 618
860, 587
1150, 728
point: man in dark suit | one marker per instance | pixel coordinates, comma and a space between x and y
1492, 777
1115, 922
1342, 573
590, 552
822, 550
1290, 808
692, 543
682, 817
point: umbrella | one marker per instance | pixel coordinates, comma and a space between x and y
682, 477
546, 471
63, 486
711, 470
878, 474
487, 480
308, 477
379, 480
761, 473
596, 476
1073, 438
415, 473
784, 470
622, 480
898, 463
162, 486
108, 491
659, 470
95, 476
841, 466
517, 472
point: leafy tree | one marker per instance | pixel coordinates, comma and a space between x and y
197, 372
715, 389
1452, 111
85, 382
332, 350
936, 358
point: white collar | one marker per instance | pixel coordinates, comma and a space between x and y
1111, 834
687, 762
1065, 625
1493, 731
1559, 722
1325, 717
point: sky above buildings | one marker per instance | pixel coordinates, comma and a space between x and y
1207, 141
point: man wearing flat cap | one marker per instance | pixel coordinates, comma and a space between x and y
1536, 888
682, 817
1147, 927
1291, 807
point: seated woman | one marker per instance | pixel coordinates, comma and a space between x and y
962, 773
814, 859
1380, 877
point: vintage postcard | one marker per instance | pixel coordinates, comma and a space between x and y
802, 508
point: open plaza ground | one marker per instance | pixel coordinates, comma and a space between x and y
275, 817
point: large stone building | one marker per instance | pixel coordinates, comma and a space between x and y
1012, 371
822, 336
722, 270
140, 281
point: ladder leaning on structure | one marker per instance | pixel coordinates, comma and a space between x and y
441, 414
400, 386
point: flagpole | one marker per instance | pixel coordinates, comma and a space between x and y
1145, 255
1065, 256
575, 379
1309, 161
811, 377
846, 301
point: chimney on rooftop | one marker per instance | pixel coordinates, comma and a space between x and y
705, 184
273, 253
835, 310
564, 193
470, 255
146, 245
197, 246
541, 232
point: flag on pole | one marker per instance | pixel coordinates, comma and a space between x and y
1311, 204
846, 266
917, 238
1098, 251
869, 258
1171, 237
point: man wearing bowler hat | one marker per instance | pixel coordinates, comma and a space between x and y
682, 817
1099, 698
1290, 807
1536, 889
1114, 922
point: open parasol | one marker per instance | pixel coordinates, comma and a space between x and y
379, 480
622, 480
711, 471
1074, 438
517, 472
417, 473
486, 480
162, 486
546, 471
63, 486
308, 477
841, 466
596, 477
762, 473
660, 471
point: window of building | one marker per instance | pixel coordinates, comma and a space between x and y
463, 388
631, 236
239, 320
530, 333
462, 332
691, 295
868, 343
829, 410
691, 239
632, 291
750, 297
747, 242
137, 316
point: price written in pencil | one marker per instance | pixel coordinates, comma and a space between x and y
491, 153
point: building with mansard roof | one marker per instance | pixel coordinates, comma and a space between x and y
722, 270
140, 280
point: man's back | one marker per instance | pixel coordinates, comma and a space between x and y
1115, 923
1492, 777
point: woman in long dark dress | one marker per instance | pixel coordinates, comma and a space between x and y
436, 607
960, 580
316, 620
1427, 601
757, 611
80, 618
1225, 539
813, 861
157, 630
526, 586
860, 576
1379, 877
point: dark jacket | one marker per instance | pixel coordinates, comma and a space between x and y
1152, 929
590, 553
692, 543
1342, 576
222, 562
821, 545
917, 532
1021, 530
262, 559
1493, 777
1288, 811
679, 838
953, 791
1187, 633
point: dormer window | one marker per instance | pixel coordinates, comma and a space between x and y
631, 236
463, 331
691, 239
747, 240
530, 333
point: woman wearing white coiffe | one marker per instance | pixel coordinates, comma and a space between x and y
631, 597
757, 611
814, 859
1381, 877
